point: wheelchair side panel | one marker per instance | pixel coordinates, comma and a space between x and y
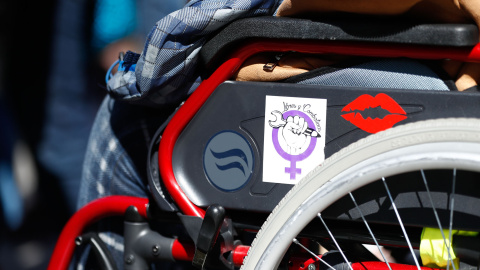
233, 119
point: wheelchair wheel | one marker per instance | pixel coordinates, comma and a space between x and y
435, 162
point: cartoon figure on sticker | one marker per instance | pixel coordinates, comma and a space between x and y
295, 136
294, 131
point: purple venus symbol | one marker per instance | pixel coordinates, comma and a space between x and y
293, 170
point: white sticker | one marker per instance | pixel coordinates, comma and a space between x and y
294, 138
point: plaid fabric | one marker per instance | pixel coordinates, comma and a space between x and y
166, 70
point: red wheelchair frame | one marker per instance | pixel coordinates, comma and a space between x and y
117, 205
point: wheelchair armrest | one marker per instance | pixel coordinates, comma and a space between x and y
361, 29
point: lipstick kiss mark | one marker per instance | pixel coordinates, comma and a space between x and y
363, 102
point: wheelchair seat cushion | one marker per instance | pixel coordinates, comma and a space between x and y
337, 28
398, 73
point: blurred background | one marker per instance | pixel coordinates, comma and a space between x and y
53, 59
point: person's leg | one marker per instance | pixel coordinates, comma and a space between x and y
115, 162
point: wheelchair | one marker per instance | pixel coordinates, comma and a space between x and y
220, 169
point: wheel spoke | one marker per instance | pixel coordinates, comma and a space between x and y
312, 253
334, 240
437, 218
401, 223
370, 231
452, 202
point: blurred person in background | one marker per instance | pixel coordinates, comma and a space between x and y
73, 95
51, 84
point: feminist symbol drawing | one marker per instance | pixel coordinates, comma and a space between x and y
299, 135
296, 135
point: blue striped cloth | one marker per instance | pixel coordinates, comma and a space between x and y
166, 71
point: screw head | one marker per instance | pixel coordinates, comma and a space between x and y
156, 250
79, 241
311, 266
129, 259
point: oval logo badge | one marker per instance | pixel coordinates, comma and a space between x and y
228, 161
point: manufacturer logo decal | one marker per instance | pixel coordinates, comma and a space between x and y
374, 114
294, 138
228, 161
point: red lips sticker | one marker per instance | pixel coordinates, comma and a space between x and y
363, 102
